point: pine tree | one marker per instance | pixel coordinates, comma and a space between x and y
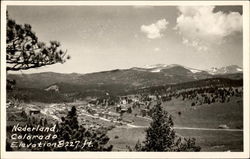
138, 146
24, 50
160, 136
72, 118
70, 130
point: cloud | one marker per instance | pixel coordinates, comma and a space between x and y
136, 36
153, 31
200, 46
157, 49
201, 27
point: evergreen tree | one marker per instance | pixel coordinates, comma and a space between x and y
72, 118
138, 146
70, 130
24, 50
160, 136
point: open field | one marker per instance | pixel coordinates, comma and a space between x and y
208, 140
126, 136
207, 116
216, 140
204, 116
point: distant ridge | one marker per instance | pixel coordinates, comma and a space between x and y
225, 70
213, 71
136, 77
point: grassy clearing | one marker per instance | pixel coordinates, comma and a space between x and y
204, 116
215, 140
126, 136
210, 141
208, 116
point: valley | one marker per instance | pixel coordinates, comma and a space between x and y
207, 109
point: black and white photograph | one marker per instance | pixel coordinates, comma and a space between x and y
125, 78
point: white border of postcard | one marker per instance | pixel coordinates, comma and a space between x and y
63, 155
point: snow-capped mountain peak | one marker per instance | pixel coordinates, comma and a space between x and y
193, 70
212, 71
154, 66
225, 70
160, 67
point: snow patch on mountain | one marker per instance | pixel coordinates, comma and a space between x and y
156, 70
212, 71
225, 70
155, 66
239, 69
193, 70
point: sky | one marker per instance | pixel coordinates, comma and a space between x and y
100, 38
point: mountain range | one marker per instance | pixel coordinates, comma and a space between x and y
225, 70
123, 79
213, 71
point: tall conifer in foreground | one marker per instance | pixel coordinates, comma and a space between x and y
160, 136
